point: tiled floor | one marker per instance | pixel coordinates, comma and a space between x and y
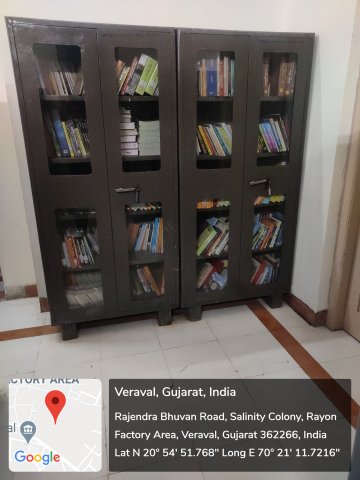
227, 343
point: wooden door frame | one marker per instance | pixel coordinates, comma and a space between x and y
348, 227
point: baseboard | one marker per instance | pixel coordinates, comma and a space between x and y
21, 291
301, 308
44, 305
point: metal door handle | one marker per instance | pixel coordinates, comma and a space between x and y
264, 181
129, 190
126, 189
258, 182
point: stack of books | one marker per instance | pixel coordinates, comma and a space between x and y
139, 77
214, 139
273, 135
79, 247
213, 276
216, 76
128, 133
269, 201
265, 269
146, 237
279, 79
58, 77
144, 281
149, 137
66, 137
214, 237
213, 204
149, 207
267, 232
84, 289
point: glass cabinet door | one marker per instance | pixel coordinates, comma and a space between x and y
279, 82
138, 87
66, 149
212, 111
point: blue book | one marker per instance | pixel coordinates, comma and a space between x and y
211, 77
155, 234
60, 135
271, 137
223, 144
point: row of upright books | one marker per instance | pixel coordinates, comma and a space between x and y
212, 276
66, 137
267, 232
59, 77
84, 289
265, 269
214, 139
204, 204
146, 236
139, 77
278, 76
147, 281
79, 247
214, 237
273, 135
216, 76
144, 207
263, 201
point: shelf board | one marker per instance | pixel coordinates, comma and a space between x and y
84, 268
213, 209
270, 206
69, 160
77, 216
140, 98
63, 98
139, 258
266, 250
273, 98
140, 158
212, 257
273, 154
214, 99
213, 157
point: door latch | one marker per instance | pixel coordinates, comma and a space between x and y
129, 190
264, 181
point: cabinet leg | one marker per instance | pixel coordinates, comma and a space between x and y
164, 317
194, 313
70, 331
275, 300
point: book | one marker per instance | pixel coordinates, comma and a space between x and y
133, 83
153, 81
147, 72
60, 134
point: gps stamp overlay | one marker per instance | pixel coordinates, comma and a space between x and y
55, 425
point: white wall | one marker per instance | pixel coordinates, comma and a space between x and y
332, 21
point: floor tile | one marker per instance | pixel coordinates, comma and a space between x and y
128, 339
143, 365
346, 368
204, 360
76, 370
21, 313
182, 333
18, 356
325, 345
285, 315
233, 322
257, 355
54, 351
293, 373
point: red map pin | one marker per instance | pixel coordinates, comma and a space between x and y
55, 402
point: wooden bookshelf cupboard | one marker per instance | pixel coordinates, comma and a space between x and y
88, 203
245, 196
92, 205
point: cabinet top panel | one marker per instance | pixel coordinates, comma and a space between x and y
61, 23
57, 23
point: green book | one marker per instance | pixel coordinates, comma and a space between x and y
153, 82
146, 75
205, 238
